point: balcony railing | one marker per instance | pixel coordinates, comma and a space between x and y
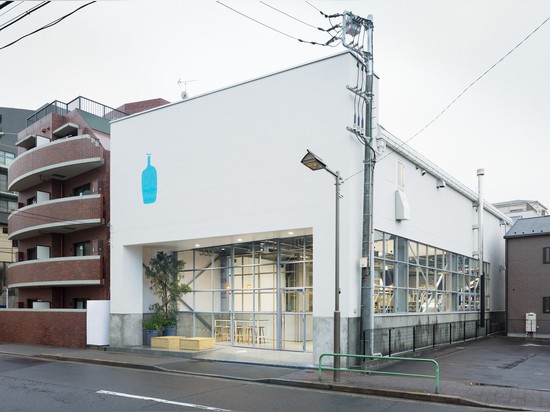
65, 271
81, 103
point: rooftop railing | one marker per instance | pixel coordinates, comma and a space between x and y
81, 103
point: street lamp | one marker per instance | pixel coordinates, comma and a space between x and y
313, 162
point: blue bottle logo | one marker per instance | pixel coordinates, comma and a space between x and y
149, 182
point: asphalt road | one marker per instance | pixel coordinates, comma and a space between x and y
28, 384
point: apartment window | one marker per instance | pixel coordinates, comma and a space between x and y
83, 248
82, 190
3, 182
7, 206
6, 158
546, 255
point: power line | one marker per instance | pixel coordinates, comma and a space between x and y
392, 150
46, 26
7, 11
294, 18
466, 89
334, 27
23, 15
4, 4
324, 15
328, 43
256, 21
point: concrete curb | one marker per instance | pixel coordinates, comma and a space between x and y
418, 396
103, 362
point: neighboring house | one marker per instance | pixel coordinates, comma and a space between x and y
62, 220
528, 277
221, 184
11, 122
519, 209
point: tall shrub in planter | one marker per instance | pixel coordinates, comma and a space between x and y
163, 273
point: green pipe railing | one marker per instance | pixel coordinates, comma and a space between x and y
413, 375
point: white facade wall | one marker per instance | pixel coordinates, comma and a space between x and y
228, 166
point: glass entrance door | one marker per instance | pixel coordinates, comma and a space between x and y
297, 302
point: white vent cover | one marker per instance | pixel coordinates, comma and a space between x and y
402, 208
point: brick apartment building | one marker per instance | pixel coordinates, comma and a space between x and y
12, 120
61, 225
528, 277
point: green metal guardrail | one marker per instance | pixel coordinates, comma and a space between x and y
414, 375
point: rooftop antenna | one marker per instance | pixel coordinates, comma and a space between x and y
184, 94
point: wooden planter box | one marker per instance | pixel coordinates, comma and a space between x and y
197, 343
166, 342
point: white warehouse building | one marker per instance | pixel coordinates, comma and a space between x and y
217, 179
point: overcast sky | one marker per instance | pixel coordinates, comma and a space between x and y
426, 52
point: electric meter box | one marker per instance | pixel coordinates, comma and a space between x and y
530, 322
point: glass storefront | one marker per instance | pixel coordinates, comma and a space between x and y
411, 277
257, 294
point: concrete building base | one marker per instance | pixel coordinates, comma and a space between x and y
126, 330
323, 338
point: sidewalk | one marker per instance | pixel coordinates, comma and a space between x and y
505, 373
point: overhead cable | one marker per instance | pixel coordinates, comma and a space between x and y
4, 4
47, 26
292, 17
467, 88
328, 43
14, 6
23, 15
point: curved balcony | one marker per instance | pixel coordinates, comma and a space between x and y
65, 271
65, 215
60, 159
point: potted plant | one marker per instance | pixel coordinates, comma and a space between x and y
166, 282
153, 327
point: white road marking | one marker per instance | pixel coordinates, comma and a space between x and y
147, 398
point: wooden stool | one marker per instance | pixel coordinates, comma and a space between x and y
221, 331
261, 334
239, 333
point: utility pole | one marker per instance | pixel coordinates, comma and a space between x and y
354, 29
